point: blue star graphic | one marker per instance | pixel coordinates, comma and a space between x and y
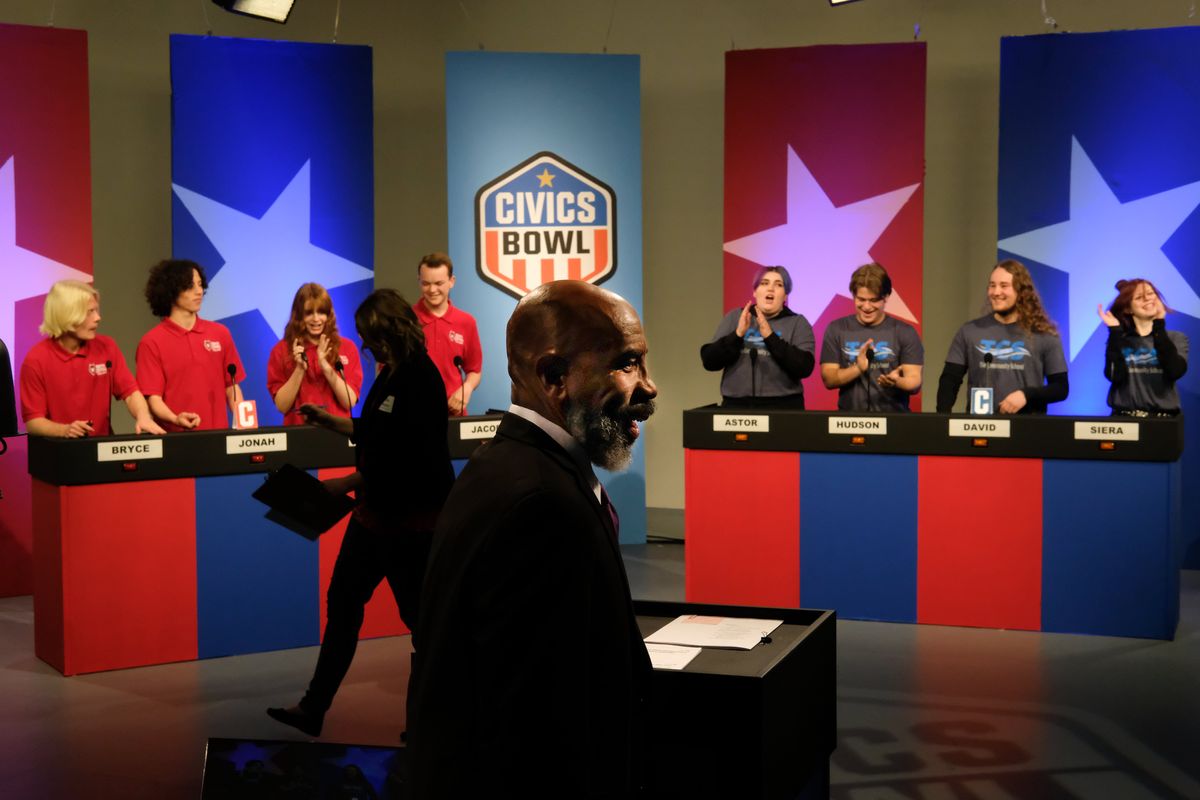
1105, 240
266, 259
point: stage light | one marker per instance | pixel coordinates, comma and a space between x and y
274, 10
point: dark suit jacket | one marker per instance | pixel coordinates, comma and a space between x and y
529, 669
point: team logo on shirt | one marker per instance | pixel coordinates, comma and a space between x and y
212, 346
1140, 356
545, 220
345, 360
98, 369
457, 338
883, 350
1003, 350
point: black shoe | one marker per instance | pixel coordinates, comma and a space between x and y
299, 719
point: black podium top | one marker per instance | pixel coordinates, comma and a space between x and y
1016, 436
119, 459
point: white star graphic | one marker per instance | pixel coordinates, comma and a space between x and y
822, 245
26, 274
266, 259
1105, 240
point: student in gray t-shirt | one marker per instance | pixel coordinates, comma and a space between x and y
764, 348
1143, 359
1015, 350
873, 360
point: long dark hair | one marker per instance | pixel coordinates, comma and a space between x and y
1122, 304
1031, 314
389, 327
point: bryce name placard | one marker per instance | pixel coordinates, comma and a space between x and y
858, 425
739, 423
129, 451
1107, 431
255, 443
974, 428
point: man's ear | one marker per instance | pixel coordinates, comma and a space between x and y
552, 372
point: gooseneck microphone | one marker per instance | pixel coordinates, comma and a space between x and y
753, 371
462, 387
988, 358
867, 375
340, 369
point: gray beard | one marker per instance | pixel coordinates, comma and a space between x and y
602, 437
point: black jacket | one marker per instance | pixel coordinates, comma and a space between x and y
529, 670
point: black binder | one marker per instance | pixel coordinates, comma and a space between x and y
300, 502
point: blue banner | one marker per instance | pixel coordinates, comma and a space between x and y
544, 177
1100, 180
272, 173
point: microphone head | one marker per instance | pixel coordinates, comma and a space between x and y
458, 361
337, 365
108, 364
232, 370
988, 358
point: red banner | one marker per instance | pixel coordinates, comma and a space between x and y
824, 172
45, 224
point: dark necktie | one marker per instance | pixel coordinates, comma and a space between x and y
606, 502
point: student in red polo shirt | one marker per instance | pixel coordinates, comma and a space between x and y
68, 380
450, 332
188, 367
303, 365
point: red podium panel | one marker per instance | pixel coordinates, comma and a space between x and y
979, 551
743, 551
116, 583
16, 520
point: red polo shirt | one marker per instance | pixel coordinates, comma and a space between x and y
452, 334
63, 387
189, 369
313, 388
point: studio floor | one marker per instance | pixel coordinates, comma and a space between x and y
923, 711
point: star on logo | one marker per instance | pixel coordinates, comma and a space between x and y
26, 273
265, 258
545, 178
1105, 240
821, 245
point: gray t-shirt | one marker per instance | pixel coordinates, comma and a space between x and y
896, 343
1146, 390
763, 377
1020, 359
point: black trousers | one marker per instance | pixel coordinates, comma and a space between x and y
365, 559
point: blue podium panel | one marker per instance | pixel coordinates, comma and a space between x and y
858, 535
1110, 536
256, 582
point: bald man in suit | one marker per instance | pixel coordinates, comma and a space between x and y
529, 670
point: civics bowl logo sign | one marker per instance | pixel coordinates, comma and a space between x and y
545, 220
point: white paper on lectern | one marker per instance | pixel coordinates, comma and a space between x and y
671, 656
696, 630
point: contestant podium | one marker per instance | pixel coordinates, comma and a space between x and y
1067, 524
760, 723
148, 550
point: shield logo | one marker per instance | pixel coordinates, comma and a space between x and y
545, 220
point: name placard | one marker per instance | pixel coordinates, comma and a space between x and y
255, 443
129, 451
1107, 431
740, 423
478, 429
974, 428
859, 425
